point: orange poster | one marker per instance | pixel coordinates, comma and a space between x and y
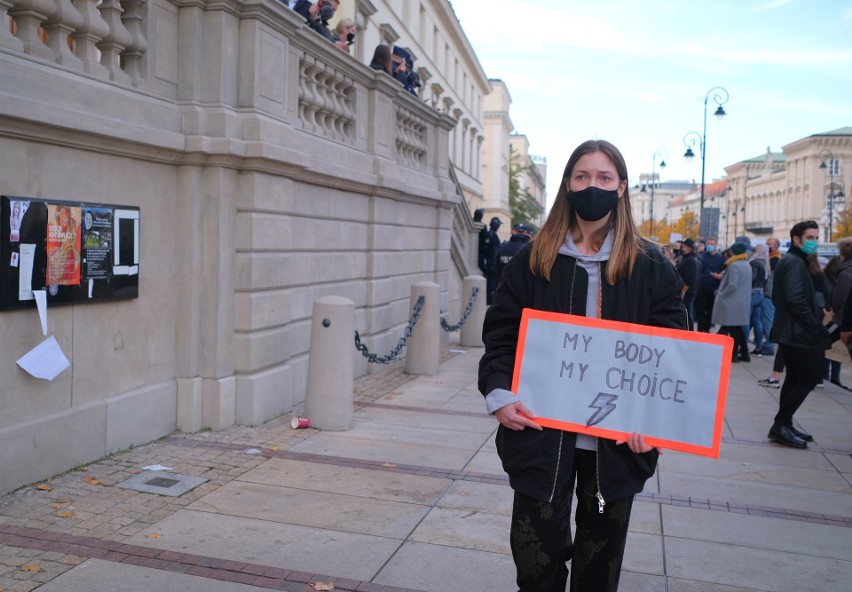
63, 245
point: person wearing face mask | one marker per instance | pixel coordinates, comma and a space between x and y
588, 259
798, 331
712, 263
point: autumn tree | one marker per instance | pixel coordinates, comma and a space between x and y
843, 227
687, 226
524, 207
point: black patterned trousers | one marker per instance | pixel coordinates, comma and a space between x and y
541, 536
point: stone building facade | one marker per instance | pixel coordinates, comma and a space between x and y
270, 169
773, 192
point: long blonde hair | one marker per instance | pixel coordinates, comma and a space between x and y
562, 219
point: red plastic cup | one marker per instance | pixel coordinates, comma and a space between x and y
300, 423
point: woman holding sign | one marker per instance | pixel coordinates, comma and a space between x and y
589, 260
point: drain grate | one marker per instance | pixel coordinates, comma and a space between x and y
161, 483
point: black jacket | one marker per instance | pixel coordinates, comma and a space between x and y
508, 250
537, 462
798, 318
689, 270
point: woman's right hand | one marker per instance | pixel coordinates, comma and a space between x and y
511, 417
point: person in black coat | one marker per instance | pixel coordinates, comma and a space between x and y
521, 233
588, 259
689, 270
317, 14
489, 247
798, 330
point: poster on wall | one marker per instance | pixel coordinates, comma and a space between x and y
63, 245
75, 251
97, 242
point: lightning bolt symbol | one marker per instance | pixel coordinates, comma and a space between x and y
604, 405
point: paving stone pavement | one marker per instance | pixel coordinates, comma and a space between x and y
413, 498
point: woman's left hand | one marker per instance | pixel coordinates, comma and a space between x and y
636, 443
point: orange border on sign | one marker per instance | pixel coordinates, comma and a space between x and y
725, 342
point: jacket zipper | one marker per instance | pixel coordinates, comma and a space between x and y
599, 495
561, 433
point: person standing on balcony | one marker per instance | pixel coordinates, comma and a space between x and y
317, 14
382, 60
589, 260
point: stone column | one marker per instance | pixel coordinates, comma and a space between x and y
471, 331
331, 370
423, 354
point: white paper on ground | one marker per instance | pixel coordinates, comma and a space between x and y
156, 468
45, 360
41, 303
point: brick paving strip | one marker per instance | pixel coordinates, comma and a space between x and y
252, 574
657, 498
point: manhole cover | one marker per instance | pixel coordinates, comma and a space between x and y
162, 482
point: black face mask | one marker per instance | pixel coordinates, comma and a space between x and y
593, 203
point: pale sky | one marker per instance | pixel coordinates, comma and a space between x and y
635, 72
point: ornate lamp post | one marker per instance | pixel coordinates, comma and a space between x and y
662, 152
828, 155
720, 97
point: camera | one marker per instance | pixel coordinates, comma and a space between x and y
350, 38
326, 10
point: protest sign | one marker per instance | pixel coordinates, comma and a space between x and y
610, 379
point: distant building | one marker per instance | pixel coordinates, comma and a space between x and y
770, 193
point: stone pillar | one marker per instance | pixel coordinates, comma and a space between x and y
424, 344
471, 331
331, 370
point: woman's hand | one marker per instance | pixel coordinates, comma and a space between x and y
510, 417
636, 443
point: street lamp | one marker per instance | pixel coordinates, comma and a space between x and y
662, 152
720, 97
828, 155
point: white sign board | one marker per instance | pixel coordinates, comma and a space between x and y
610, 379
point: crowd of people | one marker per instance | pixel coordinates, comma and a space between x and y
789, 305
397, 62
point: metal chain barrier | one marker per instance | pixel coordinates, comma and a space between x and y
377, 359
450, 328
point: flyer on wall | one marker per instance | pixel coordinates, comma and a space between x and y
97, 242
63, 245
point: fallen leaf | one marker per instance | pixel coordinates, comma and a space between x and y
91, 481
274, 448
64, 500
55, 506
65, 514
134, 471
44, 487
84, 468
153, 535
32, 567
322, 586
389, 465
